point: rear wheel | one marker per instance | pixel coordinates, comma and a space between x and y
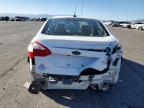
34, 87
140, 28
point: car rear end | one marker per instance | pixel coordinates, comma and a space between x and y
74, 53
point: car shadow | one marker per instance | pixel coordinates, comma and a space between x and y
127, 93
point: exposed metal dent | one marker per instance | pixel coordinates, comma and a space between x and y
99, 64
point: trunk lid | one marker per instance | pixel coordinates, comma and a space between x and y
63, 60
77, 42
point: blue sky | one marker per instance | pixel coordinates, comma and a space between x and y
101, 9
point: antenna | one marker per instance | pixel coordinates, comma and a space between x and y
81, 7
75, 10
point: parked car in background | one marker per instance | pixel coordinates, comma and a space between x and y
139, 26
35, 19
5, 18
115, 24
22, 18
12, 19
107, 23
125, 24
74, 53
43, 19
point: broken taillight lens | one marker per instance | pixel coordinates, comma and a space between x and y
38, 50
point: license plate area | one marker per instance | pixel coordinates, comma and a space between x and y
66, 79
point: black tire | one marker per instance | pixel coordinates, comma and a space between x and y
140, 28
34, 88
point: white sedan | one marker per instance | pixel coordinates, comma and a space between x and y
74, 53
139, 26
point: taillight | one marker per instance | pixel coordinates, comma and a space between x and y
38, 50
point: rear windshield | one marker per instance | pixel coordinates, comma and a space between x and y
75, 27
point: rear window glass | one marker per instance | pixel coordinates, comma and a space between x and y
75, 27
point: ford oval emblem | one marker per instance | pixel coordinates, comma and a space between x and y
76, 53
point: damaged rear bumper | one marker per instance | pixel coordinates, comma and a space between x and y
86, 78
50, 81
